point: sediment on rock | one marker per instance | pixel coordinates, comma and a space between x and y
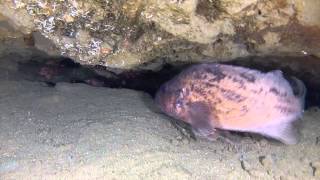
135, 34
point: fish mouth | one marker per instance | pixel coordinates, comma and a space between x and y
164, 100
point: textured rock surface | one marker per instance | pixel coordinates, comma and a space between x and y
136, 33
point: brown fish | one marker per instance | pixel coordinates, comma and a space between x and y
215, 96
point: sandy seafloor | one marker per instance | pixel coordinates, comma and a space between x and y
75, 131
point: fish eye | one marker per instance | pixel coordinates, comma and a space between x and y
179, 93
178, 103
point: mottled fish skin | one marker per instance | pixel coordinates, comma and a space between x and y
210, 96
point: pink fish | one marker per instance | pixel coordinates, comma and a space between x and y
214, 96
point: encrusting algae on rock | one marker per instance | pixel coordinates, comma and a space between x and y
215, 96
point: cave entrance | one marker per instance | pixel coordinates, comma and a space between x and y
51, 70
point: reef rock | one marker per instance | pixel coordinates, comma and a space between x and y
130, 34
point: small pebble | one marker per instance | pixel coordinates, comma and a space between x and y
317, 140
263, 142
185, 141
175, 142
245, 165
266, 161
316, 168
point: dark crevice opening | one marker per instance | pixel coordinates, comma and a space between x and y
52, 71
63, 69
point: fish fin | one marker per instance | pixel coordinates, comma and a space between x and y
277, 72
199, 118
275, 76
299, 89
184, 129
284, 132
288, 83
278, 81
